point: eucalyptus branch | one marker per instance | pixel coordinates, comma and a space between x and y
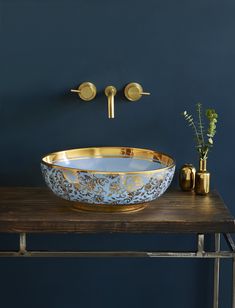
190, 120
212, 116
200, 124
203, 146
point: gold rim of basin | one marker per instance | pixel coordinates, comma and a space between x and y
54, 158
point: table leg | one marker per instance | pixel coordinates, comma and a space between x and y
233, 284
231, 245
200, 244
22, 248
217, 272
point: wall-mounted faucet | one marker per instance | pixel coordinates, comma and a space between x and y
86, 91
110, 92
133, 92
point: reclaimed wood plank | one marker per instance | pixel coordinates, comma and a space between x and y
38, 210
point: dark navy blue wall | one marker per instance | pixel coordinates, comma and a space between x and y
181, 51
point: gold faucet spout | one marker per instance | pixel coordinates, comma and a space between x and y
110, 92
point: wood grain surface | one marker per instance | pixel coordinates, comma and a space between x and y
37, 210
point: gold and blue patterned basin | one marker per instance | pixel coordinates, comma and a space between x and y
108, 178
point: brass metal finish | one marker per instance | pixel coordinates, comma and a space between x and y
202, 165
202, 186
86, 91
110, 92
202, 179
53, 158
134, 91
107, 208
187, 177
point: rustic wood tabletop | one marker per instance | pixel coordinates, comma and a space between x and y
34, 209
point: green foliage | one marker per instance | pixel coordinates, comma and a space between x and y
204, 141
212, 116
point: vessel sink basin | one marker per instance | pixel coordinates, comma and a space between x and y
108, 178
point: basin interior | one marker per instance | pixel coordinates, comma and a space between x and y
110, 159
119, 164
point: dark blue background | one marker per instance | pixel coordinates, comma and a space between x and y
182, 52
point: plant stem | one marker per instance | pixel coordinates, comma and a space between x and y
200, 124
196, 132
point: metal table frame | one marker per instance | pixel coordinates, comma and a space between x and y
217, 255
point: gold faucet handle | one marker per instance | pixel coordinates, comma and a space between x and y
86, 91
76, 91
145, 93
134, 91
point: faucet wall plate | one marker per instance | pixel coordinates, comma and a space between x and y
86, 91
134, 91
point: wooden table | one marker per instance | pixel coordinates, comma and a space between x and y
36, 210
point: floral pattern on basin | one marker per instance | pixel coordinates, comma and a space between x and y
100, 188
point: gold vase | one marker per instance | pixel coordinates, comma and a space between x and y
202, 179
187, 177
